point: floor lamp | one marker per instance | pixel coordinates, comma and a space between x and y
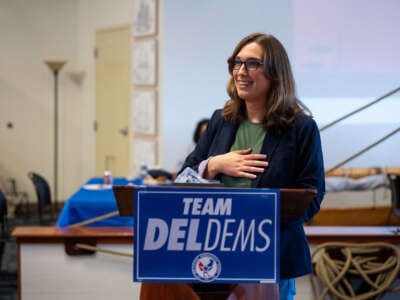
55, 66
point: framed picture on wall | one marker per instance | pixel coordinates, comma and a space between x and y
144, 65
144, 113
144, 17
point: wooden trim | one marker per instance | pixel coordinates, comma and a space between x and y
43, 234
355, 216
362, 172
352, 234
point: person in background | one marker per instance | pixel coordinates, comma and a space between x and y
200, 128
264, 137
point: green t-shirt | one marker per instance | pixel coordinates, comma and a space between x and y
248, 135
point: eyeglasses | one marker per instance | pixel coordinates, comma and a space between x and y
250, 64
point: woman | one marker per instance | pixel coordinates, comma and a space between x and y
200, 128
265, 138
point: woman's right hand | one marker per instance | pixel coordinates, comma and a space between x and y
239, 163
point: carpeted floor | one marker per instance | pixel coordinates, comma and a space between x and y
9, 266
8, 259
8, 273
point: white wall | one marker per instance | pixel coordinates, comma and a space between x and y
343, 53
196, 39
94, 15
33, 31
197, 43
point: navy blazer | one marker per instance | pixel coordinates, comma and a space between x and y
295, 161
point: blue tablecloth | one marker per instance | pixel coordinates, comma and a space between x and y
87, 204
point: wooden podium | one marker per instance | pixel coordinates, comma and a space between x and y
293, 203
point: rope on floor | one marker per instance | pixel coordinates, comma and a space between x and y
340, 267
98, 249
96, 219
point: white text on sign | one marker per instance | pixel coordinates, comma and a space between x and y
230, 234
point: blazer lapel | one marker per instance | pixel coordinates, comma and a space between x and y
225, 138
271, 141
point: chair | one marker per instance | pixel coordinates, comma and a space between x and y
43, 194
354, 271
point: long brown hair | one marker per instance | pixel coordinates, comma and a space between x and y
282, 104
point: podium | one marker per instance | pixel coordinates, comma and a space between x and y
293, 203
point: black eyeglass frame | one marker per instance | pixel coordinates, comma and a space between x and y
236, 64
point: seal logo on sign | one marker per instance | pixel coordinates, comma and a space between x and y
206, 267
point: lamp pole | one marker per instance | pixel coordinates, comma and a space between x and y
55, 66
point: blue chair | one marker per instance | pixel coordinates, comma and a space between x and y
43, 194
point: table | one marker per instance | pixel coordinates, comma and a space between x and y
86, 204
73, 273
353, 234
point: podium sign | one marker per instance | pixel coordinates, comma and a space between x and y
217, 235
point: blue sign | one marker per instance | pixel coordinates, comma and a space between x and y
217, 235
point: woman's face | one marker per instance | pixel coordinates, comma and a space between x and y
203, 127
250, 81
